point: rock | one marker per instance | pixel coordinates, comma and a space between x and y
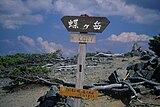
131, 67
114, 78
156, 74
140, 88
153, 61
137, 51
145, 57
70, 101
136, 67
139, 66
157, 90
50, 99
145, 70
135, 47
149, 75
53, 99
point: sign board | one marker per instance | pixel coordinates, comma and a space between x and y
85, 23
75, 92
83, 38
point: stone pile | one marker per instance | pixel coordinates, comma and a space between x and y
142, 77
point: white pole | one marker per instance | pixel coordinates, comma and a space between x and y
80, 71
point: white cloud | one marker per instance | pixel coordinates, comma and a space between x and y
26, 39
108, 8
52, 46
16, 20
8, 7
122, 43
74, 7
15, 13
40, 5
41, 45
128, 37
48, 46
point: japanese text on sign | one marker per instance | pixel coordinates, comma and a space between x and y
74, 24
82, 93
83, 38
85, 24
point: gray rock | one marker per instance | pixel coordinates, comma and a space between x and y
156, 74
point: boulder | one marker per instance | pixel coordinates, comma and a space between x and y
51, 98
156, 74
114, 78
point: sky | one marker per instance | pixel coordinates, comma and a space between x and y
35, 26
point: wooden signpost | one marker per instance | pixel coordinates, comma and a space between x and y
82, 24
85, 23
81, 93
83, 38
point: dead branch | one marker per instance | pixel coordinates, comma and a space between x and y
143, 79
130, 87
108, 87
18, 79
48, 81
45, 81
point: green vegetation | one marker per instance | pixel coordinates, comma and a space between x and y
154, 45
128, 54
20, 63
91, 54
29, 70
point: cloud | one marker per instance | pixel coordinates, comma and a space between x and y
40, 45
39, 5
16, 20
75, 7
128, 37
26, 39
132, 13
52, 46
122, 43
15, 13
48, 46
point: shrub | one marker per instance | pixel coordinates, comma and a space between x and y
154, 45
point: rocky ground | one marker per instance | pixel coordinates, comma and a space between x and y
27, 96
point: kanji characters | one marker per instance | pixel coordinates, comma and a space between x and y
85, 26
73, 23
97, 25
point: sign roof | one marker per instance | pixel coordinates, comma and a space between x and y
85, 23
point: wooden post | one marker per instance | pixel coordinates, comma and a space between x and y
83, 24
80, 71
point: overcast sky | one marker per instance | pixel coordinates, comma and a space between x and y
34, 26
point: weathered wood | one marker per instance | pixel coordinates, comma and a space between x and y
40, 80
83, 38
22, 79
46, 81
108, 87
80, 71
109, 55
143, 79
85, 23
